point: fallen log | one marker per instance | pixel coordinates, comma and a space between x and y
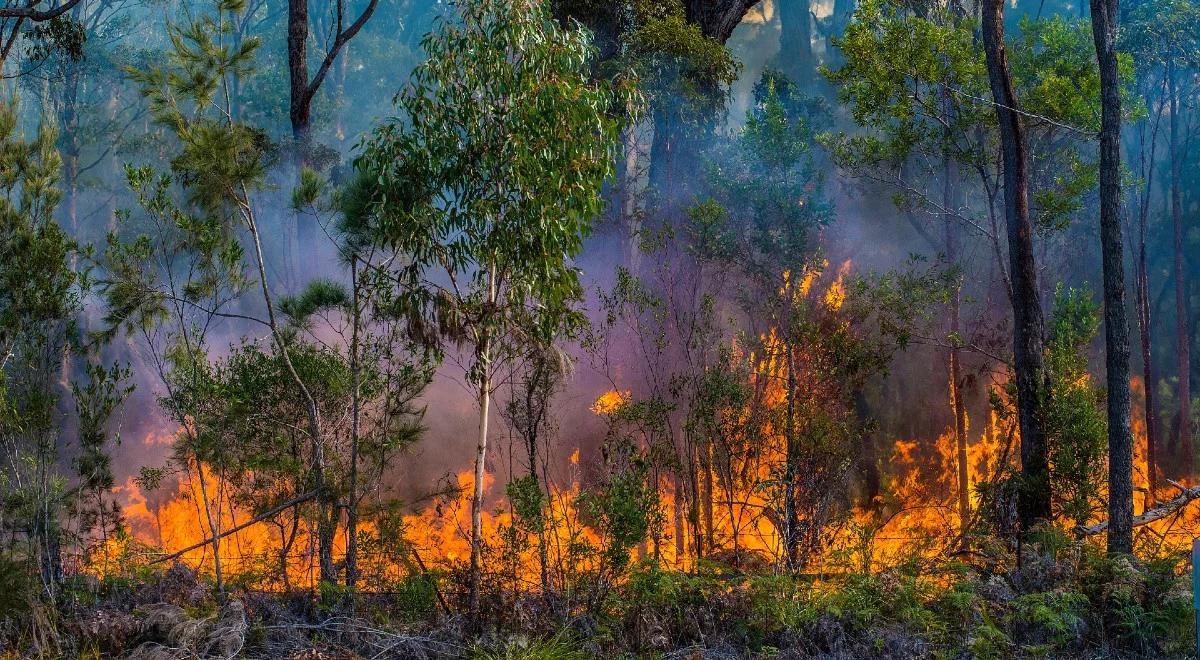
300, 499
1170, 507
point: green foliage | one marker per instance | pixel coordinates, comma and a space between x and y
318, 296
218, 160
1076, 429
493, 175
771, 195
557, 647
623, 510
917, 87
685, 74
1049, 619
37, 285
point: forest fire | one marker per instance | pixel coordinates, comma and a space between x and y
736, 516
558, 329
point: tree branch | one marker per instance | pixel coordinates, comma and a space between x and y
37, 15
233, 530
1157, 513
343, 36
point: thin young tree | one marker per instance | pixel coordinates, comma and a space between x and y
488, 184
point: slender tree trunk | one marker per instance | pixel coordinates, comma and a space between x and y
214, 527
791, 526
1182, 322
485, 383
355, 411
1116, 325
629, 208
950, 176
1146, 325
1028, 358
664, 155
706, 498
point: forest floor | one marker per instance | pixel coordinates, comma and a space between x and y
1081, 604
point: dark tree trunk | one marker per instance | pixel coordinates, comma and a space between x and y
1034, 504
1145, 320
303, 88
796, 58
718, 18
791, 536
1183, 347
1116, 325
299, 111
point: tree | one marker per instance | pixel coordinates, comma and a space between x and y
1026, 301
489, 187
1163, 36
1116, 325
218, 163
302, 87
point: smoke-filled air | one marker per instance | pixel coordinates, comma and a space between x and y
565, 329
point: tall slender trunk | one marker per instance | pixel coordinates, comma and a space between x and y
326, 526
958, 404
1028, 358
1116, 325
355, 410
1182, 333
791, 535
214, 527
664, 155
485, 383
1145, 321
629, 209
706, 498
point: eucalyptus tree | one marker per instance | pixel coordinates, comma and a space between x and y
918, 90
1164, 40
1028, 324
488, 184
1116, 324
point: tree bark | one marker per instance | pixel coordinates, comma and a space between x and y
1145, 320
1116, 325
718, 18
1182, 322
1028, 359
355, 412
484, 366
795, 42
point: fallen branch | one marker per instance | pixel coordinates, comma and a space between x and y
300, 499
1157, 513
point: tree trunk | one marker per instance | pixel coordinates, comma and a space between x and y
795, 42
355, 410
791, 525
1182, 334
300, 115
958, 405
1116, 325
1034, 504
1145, 322
485, 383
297, 52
